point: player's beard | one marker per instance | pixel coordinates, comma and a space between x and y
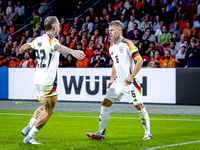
56, 34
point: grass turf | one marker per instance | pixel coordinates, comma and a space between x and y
124, 132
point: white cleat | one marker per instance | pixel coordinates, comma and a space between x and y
147, 137
30, 140
25, 131
96, 136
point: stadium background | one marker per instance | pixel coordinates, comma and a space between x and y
173, 93
176, 87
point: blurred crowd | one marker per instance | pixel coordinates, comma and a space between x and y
165, 32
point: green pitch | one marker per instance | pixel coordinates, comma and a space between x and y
124, 132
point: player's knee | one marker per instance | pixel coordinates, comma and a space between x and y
106, 102
49, 112
139, 107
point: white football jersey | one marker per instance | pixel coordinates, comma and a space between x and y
123, 56
47, 59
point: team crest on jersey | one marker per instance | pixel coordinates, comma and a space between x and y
121, 50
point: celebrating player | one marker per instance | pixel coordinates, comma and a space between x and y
47, 50
122, 82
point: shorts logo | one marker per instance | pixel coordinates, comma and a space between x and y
135, 100
121, 50
133, 93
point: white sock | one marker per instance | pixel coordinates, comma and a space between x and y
103, 119
33, 132
145, 120
31, 123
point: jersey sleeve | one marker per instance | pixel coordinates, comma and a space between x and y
133, 50
53, 42
32, 44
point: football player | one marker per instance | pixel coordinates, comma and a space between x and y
47, 50
126, 64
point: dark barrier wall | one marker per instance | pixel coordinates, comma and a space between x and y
188, 86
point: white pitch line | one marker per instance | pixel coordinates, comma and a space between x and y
15, 114
110, 117
132, 118
190, 142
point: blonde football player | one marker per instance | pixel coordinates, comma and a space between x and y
47, 50
126, 64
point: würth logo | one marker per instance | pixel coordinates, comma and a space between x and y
77, 84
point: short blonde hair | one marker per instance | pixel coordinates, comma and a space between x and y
117, 23
49, 22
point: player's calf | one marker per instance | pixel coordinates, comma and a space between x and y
145, 121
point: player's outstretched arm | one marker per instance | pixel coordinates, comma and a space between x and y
138, 66
65, 50
129, 79
25, 47
113, 75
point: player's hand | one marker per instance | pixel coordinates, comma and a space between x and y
78, 54
129, 80
110, 83
20, 50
